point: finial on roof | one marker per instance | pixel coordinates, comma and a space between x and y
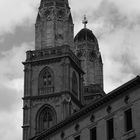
85, 21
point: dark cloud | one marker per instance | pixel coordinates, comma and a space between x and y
108, 18
111, 21
11, 75
129, 61
117, 34
9, 98
22, 34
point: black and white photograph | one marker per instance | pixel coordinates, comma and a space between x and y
70, 69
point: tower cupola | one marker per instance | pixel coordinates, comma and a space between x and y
85, 35
87, 50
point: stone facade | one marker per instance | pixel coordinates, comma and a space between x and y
63, 84
96, 115
59, 95
87, 50
54, 25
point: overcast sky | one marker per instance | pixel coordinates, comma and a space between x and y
116, 24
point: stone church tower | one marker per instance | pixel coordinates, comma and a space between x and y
54, 24
87, 50
62, 74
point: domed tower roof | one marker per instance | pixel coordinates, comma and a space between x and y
85, 35
87, 50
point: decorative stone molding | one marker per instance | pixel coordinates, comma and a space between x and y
77, 126
92, 118
127, 99
25, 107
109, 108
129, 135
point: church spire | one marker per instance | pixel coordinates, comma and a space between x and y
45, 3
54, 24
85, 21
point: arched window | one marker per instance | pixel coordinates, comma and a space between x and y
74, 84
46, 118
46, 84
47, 79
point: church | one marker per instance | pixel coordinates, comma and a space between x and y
64, 96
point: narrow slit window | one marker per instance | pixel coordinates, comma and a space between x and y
110, 129
93, 135
128, 120
74, 84
77, 137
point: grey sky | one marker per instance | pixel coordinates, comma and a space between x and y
116, 23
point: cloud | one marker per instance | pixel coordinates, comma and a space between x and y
14, 13
115, 23
11, 125
11, 91
11, 66
81, 6
11, 75
120, 50
128, 7
21, 34
106, 15
9, 98
118, 32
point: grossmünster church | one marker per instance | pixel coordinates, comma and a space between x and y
64, 96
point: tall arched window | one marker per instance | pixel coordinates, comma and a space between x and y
46, 118
46, 81
74, 84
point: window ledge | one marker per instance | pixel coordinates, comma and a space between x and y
25, 125
128, 135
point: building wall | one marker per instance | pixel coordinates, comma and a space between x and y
91, 62
118, 106
55, 28
62, 77
62, 74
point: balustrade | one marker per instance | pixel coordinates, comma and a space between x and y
52, 52
46, 90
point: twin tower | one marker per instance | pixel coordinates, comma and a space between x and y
63, 74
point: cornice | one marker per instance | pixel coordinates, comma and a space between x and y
57, 94
37, 57
105, 99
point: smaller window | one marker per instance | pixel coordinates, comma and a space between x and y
110, 129
93, 135
47, 120
128, 120
46, 84
74, 84
77, 137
